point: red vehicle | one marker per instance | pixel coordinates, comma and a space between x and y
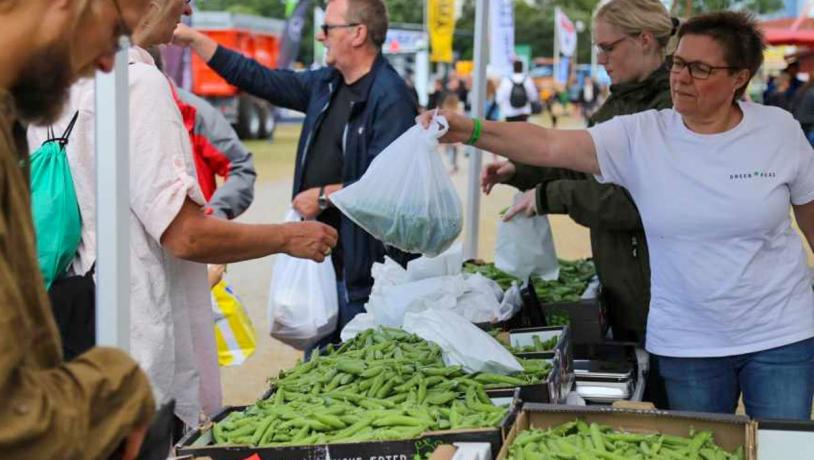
253, 36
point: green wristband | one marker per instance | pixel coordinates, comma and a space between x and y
475, 132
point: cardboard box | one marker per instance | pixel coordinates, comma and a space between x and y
198, 443
549, 391
562, 352
729, 431
785, 439
588, 316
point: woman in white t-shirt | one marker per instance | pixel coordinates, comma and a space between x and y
732, 309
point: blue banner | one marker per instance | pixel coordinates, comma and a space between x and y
290, 47
562, 72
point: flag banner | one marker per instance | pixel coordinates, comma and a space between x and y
292, 36
567, 33
441, 25
501, 36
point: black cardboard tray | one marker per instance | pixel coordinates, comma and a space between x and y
195, 442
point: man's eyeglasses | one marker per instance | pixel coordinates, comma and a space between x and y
122, 29
327, 27
607, 48
698, 70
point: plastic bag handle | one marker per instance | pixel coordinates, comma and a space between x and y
438, 125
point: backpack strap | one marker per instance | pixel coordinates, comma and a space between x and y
62, 140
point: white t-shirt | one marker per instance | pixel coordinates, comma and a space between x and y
504, 92
171, 330
728, 272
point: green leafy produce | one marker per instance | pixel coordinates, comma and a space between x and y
569, 287
537, 346
503, 279
571, 284
578, 440
558, 318
412, 230
385, 384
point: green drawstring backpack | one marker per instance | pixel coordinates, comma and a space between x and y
57, 221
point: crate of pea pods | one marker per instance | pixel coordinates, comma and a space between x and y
550, 343
386, 395
574, 299
543, 431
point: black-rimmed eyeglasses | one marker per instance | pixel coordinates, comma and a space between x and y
327, 27
698, 70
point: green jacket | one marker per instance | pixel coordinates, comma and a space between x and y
617, 236
77, 410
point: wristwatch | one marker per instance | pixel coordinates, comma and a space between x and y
322, 201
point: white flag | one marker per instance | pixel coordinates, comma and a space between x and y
501, 36
567, 33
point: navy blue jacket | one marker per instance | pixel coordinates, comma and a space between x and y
386, 111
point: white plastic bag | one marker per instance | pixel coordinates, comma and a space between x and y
511, 304
359, 324
525, 246
302, 305
480, 302
446, 264
462, 342
389, 304
406, 198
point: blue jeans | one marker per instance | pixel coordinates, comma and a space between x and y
347, 311
776, 383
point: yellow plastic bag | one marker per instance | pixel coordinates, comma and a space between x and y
234, 332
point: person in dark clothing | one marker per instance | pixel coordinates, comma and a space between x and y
792, 69
778, 97
436, 96
354, 108
632, 49
408, 80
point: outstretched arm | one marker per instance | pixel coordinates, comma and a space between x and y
525, 142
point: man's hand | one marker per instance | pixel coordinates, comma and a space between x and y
310, 240
526, 204
215, 274
132, 444
201, 44
307, 203
496, 173
184, 35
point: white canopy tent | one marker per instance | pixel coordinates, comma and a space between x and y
112, 187
478, 110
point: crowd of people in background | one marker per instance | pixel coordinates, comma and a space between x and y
790, 92
548, 99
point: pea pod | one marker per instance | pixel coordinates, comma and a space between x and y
488, 378
351, 366
397, 420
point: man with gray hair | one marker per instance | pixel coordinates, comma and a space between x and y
354, 108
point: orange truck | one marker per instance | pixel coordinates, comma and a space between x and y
253, 36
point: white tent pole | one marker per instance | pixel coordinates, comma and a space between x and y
112, 205
478, 110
